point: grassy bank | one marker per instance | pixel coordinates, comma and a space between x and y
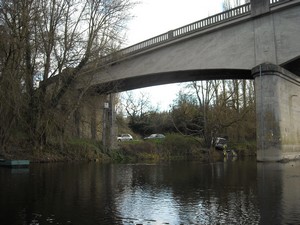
73, 150
176, 147
173, 147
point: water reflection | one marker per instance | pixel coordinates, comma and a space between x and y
189, 194
241, 192
279, 193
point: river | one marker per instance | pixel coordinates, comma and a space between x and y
232, 192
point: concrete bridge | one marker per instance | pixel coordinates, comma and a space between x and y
258, 40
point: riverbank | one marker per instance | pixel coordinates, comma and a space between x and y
178, 147
45, 156
125, 152
73, 150
173, 147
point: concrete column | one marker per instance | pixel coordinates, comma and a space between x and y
170, 34
265, 45
105, 125
87, 118
277, 112
109, 123
259, 7
112, 122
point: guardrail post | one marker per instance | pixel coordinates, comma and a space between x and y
259, 7
170, 34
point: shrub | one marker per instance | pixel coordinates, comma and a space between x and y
139, 150
176, 145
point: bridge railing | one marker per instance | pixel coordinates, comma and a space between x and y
182, 31
212, 20
193, 27
276, 1
206, 23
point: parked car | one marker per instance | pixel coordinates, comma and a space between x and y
155, 136
124, 137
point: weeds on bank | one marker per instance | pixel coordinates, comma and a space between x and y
72, 150
173, 147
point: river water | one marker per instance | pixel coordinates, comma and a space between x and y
232, 192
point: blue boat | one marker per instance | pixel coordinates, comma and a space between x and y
14, 163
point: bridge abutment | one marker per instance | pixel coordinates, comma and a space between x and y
277, 112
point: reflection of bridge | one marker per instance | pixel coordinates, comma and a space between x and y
259, 40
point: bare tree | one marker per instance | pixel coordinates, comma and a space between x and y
50, 42
139, 112
226, 108
136, 106
229, 4
206, 92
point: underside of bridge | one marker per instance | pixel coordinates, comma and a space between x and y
293, 66
172, 77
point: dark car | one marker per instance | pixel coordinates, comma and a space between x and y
155, 136
220, 143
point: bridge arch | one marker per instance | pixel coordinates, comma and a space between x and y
161, 78
247, 41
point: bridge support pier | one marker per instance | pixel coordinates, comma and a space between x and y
95, 119
277, 112
109, 136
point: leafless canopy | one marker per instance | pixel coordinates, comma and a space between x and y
40, 39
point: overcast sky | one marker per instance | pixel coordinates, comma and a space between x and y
154, 17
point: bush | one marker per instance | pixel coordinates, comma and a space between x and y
141, 150
176, 145
245, 148
74, 149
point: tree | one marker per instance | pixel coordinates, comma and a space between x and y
234, 109
186, 116
216, 108
138, 108
229, 4
49, 43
